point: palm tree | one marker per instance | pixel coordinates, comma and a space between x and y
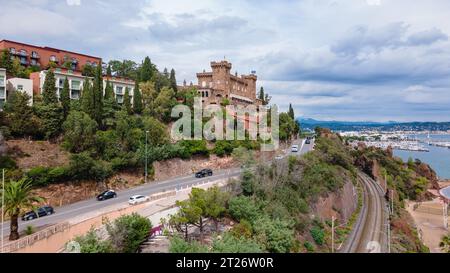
18, 197
445, 244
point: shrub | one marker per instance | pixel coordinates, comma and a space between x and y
243, 229
128, 232
91, 243
39, 176
318, 235
309, 247
231, 244
243, 208
179, 245
276, 235
7, 162
29, 230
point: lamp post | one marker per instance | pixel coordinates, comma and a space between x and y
3, 206
146, 155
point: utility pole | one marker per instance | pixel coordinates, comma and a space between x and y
392, 202
385, 183
332, 234
3, 206
445, 212
389, 235
146, 155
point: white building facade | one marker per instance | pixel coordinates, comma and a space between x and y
21, 85
2, 87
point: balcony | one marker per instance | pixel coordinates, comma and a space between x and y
75, 94
54, 59
34, 55
2, 93
24, 61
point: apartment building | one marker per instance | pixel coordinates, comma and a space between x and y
76, 81
120, 85
22, 85
31, 55
2, 87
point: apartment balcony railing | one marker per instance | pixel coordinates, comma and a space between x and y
2, 93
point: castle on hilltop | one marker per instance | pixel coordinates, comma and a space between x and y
220, 85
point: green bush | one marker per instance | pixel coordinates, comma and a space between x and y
309, 247
230, 244
243, 208
276, 235
128, 232
91, 243
29, 230
318, 235
7, 162
42, 176
179, 245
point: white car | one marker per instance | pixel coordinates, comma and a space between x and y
294, 149
278, 157
137, 199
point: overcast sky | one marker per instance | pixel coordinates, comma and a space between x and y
359, 60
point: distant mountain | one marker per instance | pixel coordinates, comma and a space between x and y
310, 124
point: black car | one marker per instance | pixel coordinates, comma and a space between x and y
307, 142
40, 212
204, 173
106, 195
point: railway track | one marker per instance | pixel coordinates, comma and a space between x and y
369, 234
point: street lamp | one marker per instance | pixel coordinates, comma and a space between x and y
146, 155
3, 207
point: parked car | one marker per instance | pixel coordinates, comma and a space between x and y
294, 149
109, 194
40, 212
307, 142
278, 157
137, 199
204, 173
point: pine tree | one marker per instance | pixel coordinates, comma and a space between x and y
97, 92
65, 98
49, 88
137, 100
173, 81
127, 101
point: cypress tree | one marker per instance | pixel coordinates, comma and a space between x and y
173, 81
127, 101
109, 92
147, 71
108, 71
291, 112
65, 98
49, 89
98, 96
87, 98
261, 95
137, 100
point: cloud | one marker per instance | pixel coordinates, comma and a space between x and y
73, 2
365, 59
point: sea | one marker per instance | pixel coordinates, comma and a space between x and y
438, 157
